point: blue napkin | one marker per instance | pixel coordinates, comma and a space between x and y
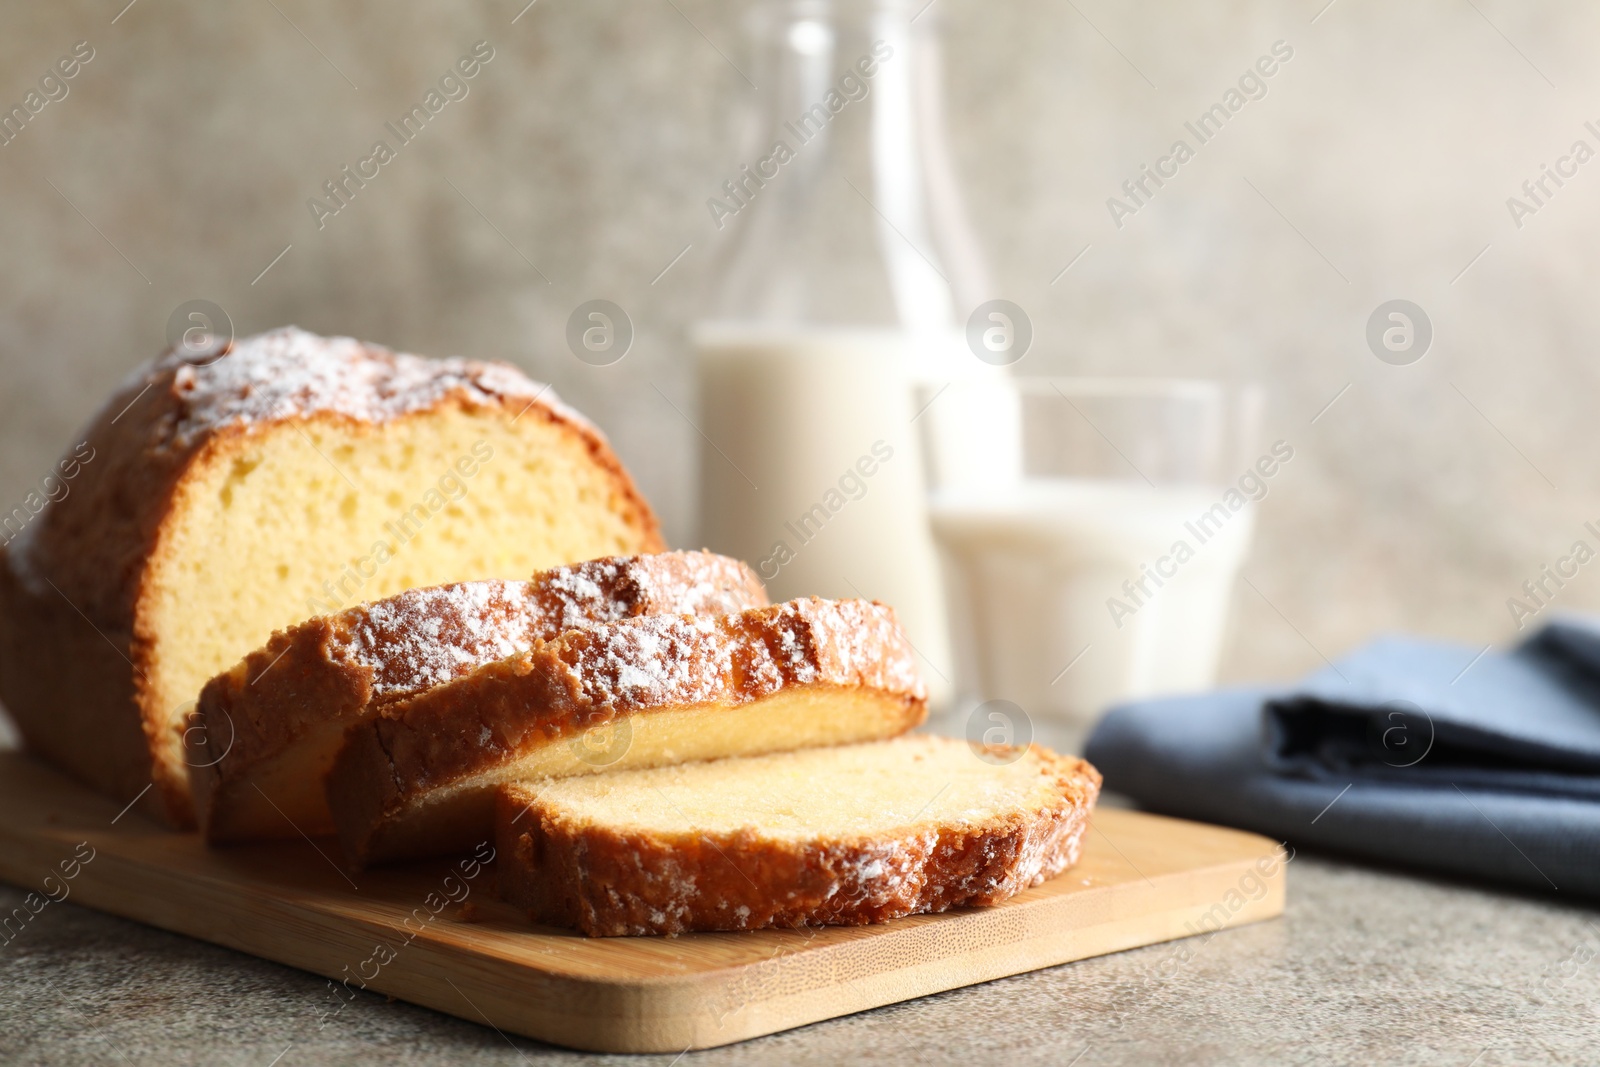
1417, 752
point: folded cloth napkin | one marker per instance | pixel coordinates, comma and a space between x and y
1417, 752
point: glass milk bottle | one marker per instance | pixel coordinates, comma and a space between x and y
847, 272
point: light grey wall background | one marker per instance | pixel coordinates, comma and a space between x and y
1377, 166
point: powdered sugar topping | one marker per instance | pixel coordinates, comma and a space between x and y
289, 373
667, 659
426, 637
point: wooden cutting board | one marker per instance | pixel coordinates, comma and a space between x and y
432, 934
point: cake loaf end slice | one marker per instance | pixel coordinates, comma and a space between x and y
845, 836
215, 502
420, 778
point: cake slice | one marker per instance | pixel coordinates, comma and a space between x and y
843, 836
295, 475
264, 734
420, 778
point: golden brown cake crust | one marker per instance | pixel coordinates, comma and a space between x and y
93, 549
338, 669
596, 675
608, 882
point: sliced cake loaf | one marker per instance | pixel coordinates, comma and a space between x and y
293, 476
844, 836
420, 778
264, 735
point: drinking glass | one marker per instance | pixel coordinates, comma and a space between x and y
1091, 531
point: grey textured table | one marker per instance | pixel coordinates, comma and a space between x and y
1368, 966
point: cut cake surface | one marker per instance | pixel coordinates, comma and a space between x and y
649, 691
847, 835
265, 733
